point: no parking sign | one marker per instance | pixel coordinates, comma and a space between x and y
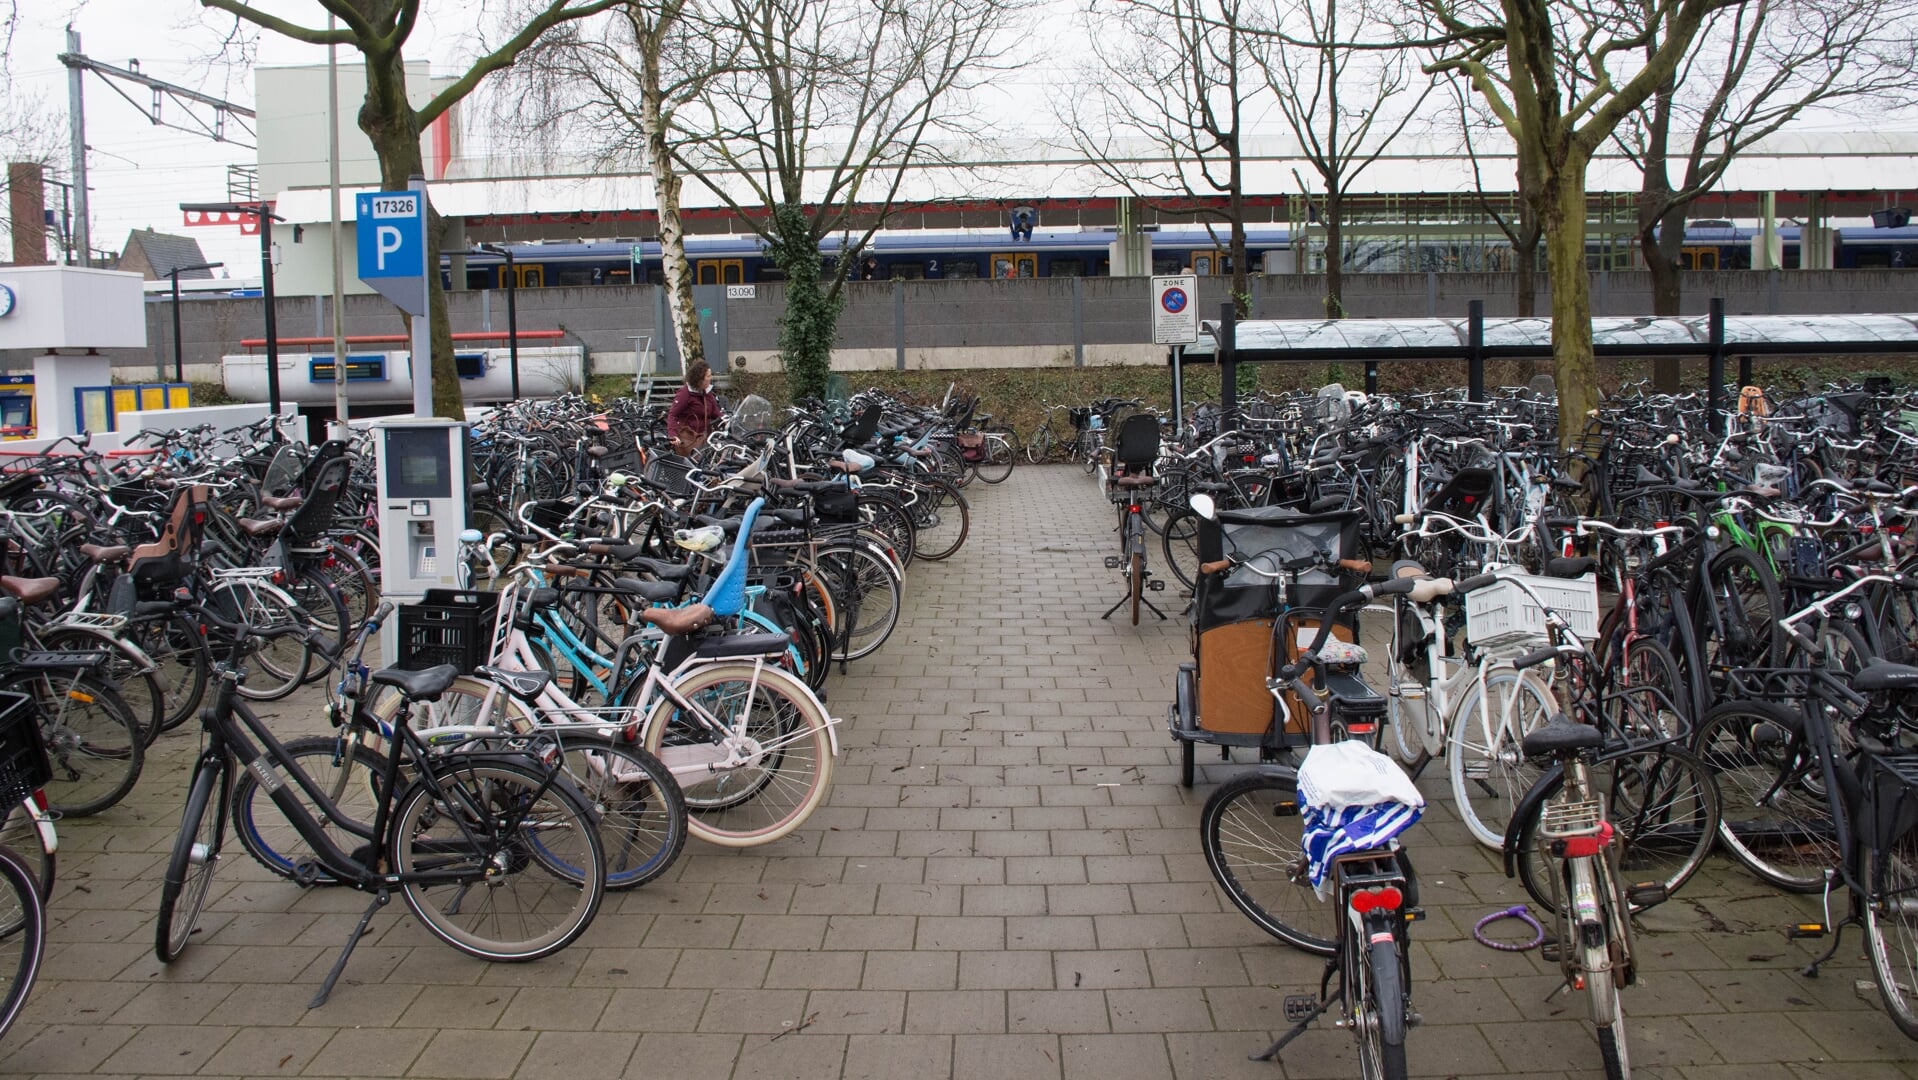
1175, 310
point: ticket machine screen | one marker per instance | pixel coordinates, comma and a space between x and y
419, 464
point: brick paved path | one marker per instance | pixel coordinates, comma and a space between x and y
1005, 884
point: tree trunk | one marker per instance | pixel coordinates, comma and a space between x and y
392, 126
1525, 265
672, 236
1574, 366
1334, 256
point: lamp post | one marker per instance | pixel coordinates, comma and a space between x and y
264, 212
179, 359
512, 309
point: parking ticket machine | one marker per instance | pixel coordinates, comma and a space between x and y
424, 483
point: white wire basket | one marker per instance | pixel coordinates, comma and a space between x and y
1504, 614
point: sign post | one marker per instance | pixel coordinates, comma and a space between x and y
391, 228
1175, 322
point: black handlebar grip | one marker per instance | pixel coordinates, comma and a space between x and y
1533, 659
1471, 583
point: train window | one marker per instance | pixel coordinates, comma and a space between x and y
1067, 268
575, 277
619, 277
960, 268
530, 277
1699, 258
719, 271
1208, 262
1102, 268
481, 278
907, 271
1015, 264
1164, 267
769, 272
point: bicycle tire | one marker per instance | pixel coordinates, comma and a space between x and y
784, 783
1489, 780
1601, 986
141, 689
314, 594
1737, 622
180, 662
1892, 935
189, 871
1663, 805
1641, 714
941, 519
487, 833
1039, 446
266, 833
641, 813
1251, 833
868, 598
1755, 749
1135, 583
93, 740
1179, 540
1384, 996
882, 509
21, 832
998, 458
23, 934
277, 666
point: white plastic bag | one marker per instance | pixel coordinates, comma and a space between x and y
1350, 773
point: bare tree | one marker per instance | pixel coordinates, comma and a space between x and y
1345, 105
1158, 109
830, 105
1561, 76
1758, 67
379, 30
614, 85
1511, 217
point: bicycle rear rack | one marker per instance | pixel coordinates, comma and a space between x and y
1562, 821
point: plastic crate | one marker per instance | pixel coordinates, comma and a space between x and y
1505, 614
24, 765
448, 627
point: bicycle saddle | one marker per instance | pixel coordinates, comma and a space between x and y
31, 590
1882, 675
681, 620
525, 684
282, 503
426, 685
656, 592
1561, 736
661, 569
1570, 567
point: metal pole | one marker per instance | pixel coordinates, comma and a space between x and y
1371, 377
179, 361
1228, 363
1475, 351
77, 124
512, 320
1715, 368
272, 320
1744, 371
333, 197
421, 359
1178, 390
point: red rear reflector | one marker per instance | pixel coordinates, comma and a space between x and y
1386, 898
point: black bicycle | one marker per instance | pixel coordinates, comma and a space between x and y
493, 849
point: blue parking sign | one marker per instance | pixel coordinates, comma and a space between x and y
392, 234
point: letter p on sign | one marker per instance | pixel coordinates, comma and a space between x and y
386, 241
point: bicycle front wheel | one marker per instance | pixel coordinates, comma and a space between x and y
1891, 929
189, 871
1775, 816
350, 775
999, 458
1253, 839
504, 864
1179, 539
1489, 771
773, 721
23, 935
867, 598
642, 816
95, 744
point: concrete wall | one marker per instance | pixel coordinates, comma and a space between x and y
987, 323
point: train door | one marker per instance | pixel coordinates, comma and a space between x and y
1208, 262
1015, 264
719, 272
526, 277
1698, 258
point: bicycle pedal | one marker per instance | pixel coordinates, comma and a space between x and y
1647, 894
1806, 930
1300, 1007
1112, 562
1155, 585
1416, 914
1549, 952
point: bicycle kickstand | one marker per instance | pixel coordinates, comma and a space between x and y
1271, 1053
359, 931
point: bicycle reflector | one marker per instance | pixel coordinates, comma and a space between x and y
1384, 898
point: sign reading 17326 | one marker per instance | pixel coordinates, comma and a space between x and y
391, 229
395, 206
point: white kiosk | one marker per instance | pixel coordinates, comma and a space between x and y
48, 308
424, 483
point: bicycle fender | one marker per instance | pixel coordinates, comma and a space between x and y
1526, 810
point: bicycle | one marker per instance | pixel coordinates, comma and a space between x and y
23, 934
487, 812
1374, 890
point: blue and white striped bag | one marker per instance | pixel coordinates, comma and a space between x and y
1352, 798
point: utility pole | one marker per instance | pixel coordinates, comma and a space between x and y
77, 123
333, 205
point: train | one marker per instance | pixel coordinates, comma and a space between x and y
1709, 245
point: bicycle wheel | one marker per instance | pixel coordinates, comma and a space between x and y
1774, 816
1135, 583
23, 935
998, 461
1039, 447
1653, 701
867, 598
1603, 989
93, 740
1891, 929
1489, 773
1737, 621
313, 592
1253, 840
140, 687
784, 732
349, 774
1380, 999
941, 519
180, 662
1664, 808
189, 871
642, 816
1179, 540
277, 666
21, 832
885, 511
516, 867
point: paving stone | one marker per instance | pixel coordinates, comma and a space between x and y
456, 1053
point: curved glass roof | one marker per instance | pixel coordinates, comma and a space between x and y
1262, 339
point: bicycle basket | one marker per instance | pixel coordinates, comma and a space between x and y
1079, 417
669, 472
449, 626
837, 505
24, 765
1285, 534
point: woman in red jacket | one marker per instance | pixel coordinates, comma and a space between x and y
695, 412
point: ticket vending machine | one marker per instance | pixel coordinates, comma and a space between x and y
424, 483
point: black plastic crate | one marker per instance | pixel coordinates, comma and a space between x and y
450, 626
24, 765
